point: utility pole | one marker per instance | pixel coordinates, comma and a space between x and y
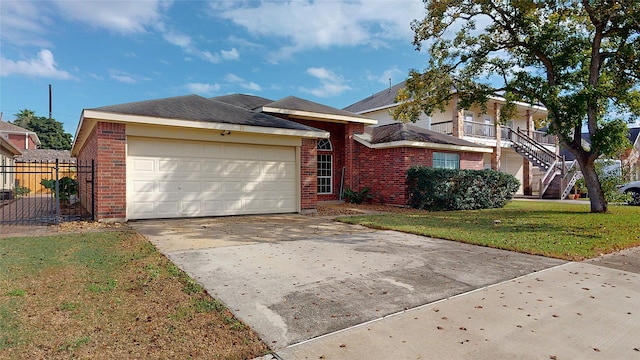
49, 102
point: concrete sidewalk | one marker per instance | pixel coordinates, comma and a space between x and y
572, 311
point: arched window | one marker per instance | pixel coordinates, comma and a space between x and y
325, 167
324, 144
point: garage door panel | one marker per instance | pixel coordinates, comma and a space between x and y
179, 179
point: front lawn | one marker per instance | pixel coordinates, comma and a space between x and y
553, 229
109, 295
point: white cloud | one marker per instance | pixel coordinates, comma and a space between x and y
330, 83
188, 46
249, 85
123, 17
25, 23
43, 66
125, 77
323, 24
232, 54
202, 88
394, 74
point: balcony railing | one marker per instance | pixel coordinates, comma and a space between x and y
543, 138
484, 130
478, 129
444, 127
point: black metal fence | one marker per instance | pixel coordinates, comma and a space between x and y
42, 193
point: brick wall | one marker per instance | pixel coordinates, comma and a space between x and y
308, 175
338, 155
18, 141
106, 145
384, 170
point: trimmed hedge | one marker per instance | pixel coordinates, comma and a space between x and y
449, 189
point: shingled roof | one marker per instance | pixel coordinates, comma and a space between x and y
380, 100
197, 108
295, 106
45, 155
408, 132
249, 102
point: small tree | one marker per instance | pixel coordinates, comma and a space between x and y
50, 132
580, 59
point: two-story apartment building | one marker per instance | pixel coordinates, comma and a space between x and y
516, 146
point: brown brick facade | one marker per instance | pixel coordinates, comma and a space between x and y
384, 170
308, 175
18, 140
106, 145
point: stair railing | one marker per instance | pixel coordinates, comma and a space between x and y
532, 147
570, 177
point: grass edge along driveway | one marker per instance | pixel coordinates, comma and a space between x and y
109, 295
552, 229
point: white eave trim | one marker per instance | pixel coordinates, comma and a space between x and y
319, 116
421, 144
9, 146
377, 108
98, 116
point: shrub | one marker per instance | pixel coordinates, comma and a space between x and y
449, 189
21, 191
357, 197
67, 187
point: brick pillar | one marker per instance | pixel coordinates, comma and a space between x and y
457, 128
111, 172
308, 175
350, 173
527, 172
497, 150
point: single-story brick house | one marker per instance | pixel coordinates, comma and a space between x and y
238, 154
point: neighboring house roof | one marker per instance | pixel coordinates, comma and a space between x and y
249, 102
408, 135
6, 128
8, 146
387, 98
45, 155
380, 100
305, 109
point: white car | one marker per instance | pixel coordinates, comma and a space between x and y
632, 188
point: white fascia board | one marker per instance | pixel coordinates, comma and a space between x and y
9, 146
378, 108
421, 144
319, 116
520, 104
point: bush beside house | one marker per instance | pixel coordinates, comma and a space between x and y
449, 189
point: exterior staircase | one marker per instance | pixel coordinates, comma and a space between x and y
558, 178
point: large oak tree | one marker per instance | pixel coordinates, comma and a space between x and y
580, 59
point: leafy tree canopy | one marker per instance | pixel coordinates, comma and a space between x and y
50, 132
580, 59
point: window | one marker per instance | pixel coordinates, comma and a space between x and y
324, 144
325, 167
446, 160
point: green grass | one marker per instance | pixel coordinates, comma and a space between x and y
553, 229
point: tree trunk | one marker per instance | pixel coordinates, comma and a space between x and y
596, 195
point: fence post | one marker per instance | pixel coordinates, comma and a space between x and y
57, 193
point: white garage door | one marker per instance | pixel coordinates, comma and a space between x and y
169, 178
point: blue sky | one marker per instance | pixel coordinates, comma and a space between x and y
98, 53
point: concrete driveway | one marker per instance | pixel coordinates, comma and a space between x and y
293, 278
